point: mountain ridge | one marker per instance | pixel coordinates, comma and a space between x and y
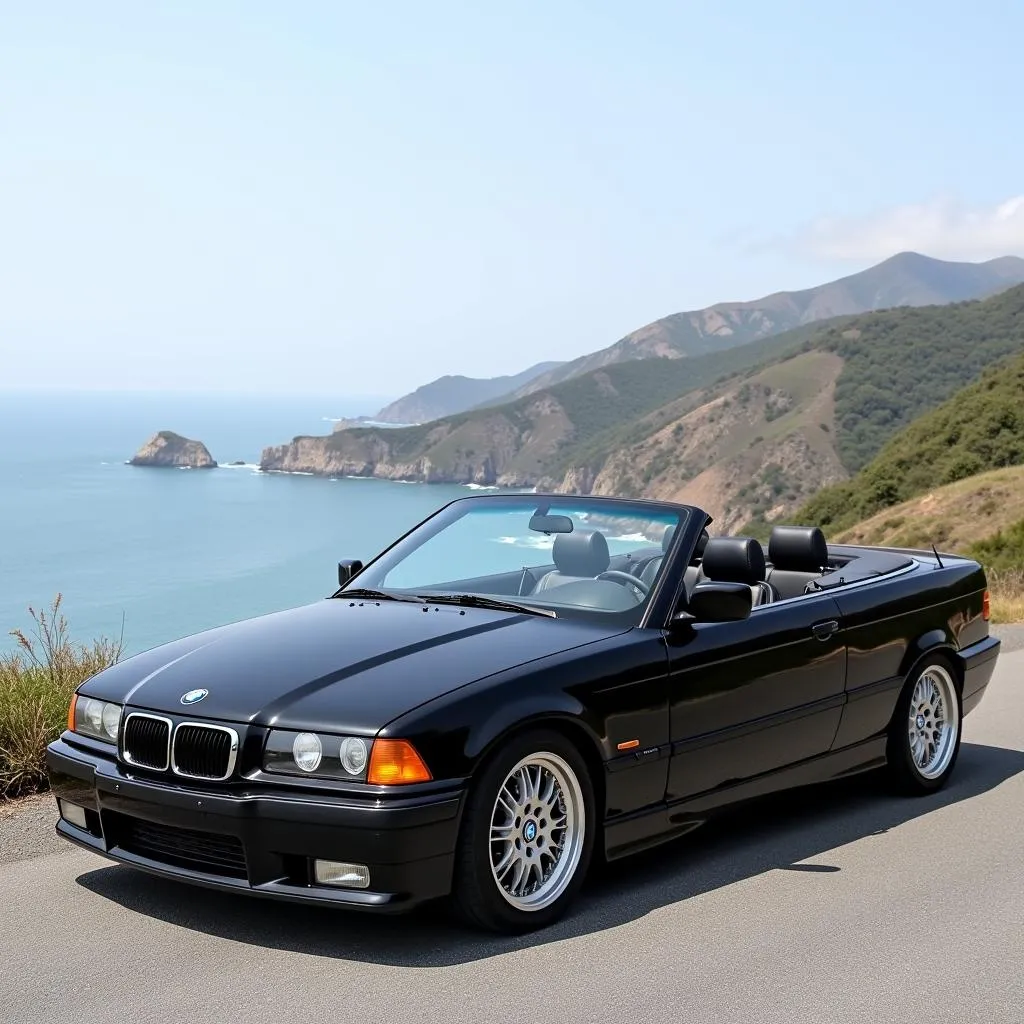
749, 433
455, 393
906, 278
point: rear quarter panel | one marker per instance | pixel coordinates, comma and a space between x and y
891, 624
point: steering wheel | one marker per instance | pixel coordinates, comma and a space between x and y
625, 578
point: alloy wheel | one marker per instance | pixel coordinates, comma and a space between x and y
537, 830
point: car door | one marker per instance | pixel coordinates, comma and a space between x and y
753, 696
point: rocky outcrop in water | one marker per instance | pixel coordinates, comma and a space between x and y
173, 451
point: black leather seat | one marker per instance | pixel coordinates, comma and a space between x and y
799, 554
650, 570
580, 555
738, 560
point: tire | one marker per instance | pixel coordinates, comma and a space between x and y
920, 756
534, 794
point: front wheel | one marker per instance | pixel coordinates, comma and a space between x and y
527, 837
924, 738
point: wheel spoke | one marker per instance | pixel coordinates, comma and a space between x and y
501, 868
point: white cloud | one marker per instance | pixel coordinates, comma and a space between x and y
944, 228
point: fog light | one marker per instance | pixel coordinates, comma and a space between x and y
336, 872
74, 814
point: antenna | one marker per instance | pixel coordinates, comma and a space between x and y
937, 558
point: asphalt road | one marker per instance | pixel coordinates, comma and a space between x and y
843, 904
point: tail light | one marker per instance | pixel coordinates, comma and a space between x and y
986, 607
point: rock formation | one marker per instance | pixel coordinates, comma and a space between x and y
172, 450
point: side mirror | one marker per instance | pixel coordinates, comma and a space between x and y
717, 602
347, 568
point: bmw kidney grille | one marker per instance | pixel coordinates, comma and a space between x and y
146, 741
193, 750
204, 751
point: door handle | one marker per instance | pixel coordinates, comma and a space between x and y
823, 630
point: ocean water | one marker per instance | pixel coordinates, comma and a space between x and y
160, 553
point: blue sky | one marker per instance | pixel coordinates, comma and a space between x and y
361, 197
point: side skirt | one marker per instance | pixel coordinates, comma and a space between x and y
652, 826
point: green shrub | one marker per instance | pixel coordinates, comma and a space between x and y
36, 684
1002, 552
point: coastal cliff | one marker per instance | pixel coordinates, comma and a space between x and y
506, 447
388, 455
171, 450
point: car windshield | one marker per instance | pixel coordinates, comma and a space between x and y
571, 557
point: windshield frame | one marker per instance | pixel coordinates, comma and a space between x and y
454, 510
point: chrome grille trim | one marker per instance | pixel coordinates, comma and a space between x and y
232, 753
126, 753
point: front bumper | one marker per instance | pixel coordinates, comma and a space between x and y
260, 841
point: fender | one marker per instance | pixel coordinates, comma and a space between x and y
524, 714
928, 643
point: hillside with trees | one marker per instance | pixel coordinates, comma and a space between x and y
980, 428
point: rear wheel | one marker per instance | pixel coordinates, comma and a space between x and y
924, 738
527, 837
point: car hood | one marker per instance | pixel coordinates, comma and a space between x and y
353, 665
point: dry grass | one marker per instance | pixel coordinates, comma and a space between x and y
1006, 588
36, 684
952, 517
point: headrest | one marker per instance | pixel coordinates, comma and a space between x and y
580, 553
734, 560
797, 549
698, 551
667, 537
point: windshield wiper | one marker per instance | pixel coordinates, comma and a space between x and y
479, 601
380, 595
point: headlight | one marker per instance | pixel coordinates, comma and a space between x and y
317, 754
307, 751
352, 754
99, 719
381, 762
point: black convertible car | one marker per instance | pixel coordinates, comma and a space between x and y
518, 685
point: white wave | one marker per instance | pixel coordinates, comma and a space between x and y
633, 538
533, 543
244, 465
357, 422
482, 487
182, 467
353, 476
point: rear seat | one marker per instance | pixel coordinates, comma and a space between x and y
798, 555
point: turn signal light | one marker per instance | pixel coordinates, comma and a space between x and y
394, 762
986, 607
71, 713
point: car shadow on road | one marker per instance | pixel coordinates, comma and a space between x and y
774, 833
